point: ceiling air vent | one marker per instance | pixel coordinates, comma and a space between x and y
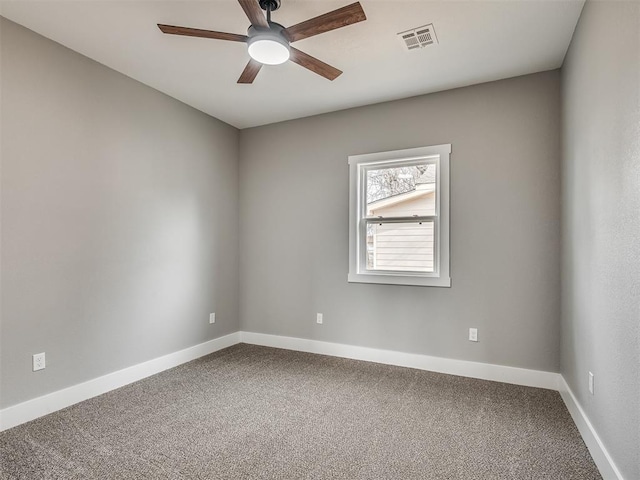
419, 37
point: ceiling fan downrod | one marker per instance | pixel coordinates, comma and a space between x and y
269, 6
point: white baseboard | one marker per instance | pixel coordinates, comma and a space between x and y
484, 371
599, 453
37, 407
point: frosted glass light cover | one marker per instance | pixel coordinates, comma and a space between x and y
269, 52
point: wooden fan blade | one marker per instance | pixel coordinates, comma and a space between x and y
250, 72
324, 23
315, 65
254, 12
196, 32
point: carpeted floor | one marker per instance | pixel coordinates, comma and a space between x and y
256, 412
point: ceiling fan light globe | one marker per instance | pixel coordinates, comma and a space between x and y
269, 51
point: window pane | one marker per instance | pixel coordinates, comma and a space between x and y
406, 247
401, 191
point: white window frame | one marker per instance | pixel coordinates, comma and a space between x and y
358, 166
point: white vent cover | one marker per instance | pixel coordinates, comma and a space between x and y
419, 37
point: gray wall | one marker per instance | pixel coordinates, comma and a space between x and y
119, 219
505, 233
601, 224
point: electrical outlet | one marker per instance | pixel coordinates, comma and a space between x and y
212, 317
473, 334
318, 318
591, 380
39, 362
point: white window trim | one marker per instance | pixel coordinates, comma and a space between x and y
357, 269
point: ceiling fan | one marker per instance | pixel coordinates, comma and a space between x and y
269, 43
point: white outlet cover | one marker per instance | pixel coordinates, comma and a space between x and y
212, 317
591, 383
39, 361
319, 318
473, 334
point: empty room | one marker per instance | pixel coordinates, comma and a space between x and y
319, 239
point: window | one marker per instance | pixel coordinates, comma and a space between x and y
399, 217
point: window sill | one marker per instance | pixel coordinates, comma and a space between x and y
382, 279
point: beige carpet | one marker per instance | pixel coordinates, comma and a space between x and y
256, 412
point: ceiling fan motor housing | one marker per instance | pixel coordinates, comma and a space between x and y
274, 29
268, 45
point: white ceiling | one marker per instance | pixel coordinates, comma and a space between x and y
480, 41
